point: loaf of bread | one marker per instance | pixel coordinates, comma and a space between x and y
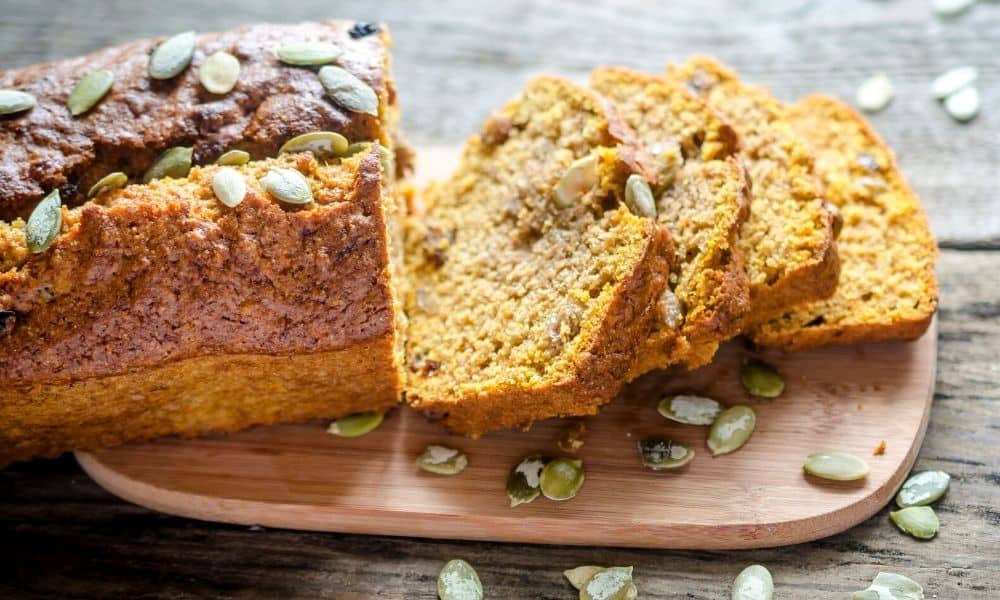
533, 284
887, 286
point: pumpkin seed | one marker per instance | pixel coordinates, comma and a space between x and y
356, 147
355, 425
890, 586
639, 198
442, 460
963, 105
305, 54
580, 176
835, 466
287, 185
172, 56
233, 158
953, 80
761, 379
614, 583
348, 91
324, 144
731, 429
579, 576
561, 479
753, 583
175, 162
219, 73
388, 160
44, 223
919, 521
923, 488
523, 481
89, 90
111, 181
14, 101
459, 581
662, 455
229, 186
689, 409
951, 8
875, 93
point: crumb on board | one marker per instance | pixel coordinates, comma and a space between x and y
860, 406
879, 450
571, 437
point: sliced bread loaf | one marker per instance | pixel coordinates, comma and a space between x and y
788, 241
533, 285
887, 286
702, 197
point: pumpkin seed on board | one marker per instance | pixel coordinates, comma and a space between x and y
614, 583
348, 91
753, 583
835, 466
219, 73
523, 481
287, 185
229, 186
356, 425
233, 158
459, 581
324, 144
731, 429
923, 488
561, 479
761, 379
89, 90
662, 455
953, 80
890, 586
875, 93
919, 521
639, 198
175, 162
111, 181
15, 101
442, 461
44, 223
580, 176
579, 576
171, 57
963, 105
689, 409
309, 54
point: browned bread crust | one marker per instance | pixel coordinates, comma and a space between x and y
887, 287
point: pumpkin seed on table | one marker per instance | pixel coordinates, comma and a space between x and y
233, 158
219, 73
523, 482
348, 91
923, 488
689, 409
324, 144
580, 176
890, 586
442, 461
963, 105
87, 92
614, 583
731, 429
175, 162
639, 198
561, 479
309, 54
15, 101
875, 93
111, 181
662, 455
44, 223
953, 80
356, 425
287, 185
761, 379
459, 581
578, 576
753, 583
919, 521
171, 57
835, 466
229, 186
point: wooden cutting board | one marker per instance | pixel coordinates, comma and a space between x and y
300, 477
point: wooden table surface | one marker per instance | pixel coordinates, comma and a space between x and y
62, 536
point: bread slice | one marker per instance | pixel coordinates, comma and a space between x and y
788, 241
887, 286
522, 307
702, 196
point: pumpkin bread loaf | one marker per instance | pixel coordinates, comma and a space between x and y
533, 285
887, 286
702, 197
788, 241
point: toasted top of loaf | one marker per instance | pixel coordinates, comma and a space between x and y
702, 197
524, 307
47, 148
788, 241
154, 273
887, 286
